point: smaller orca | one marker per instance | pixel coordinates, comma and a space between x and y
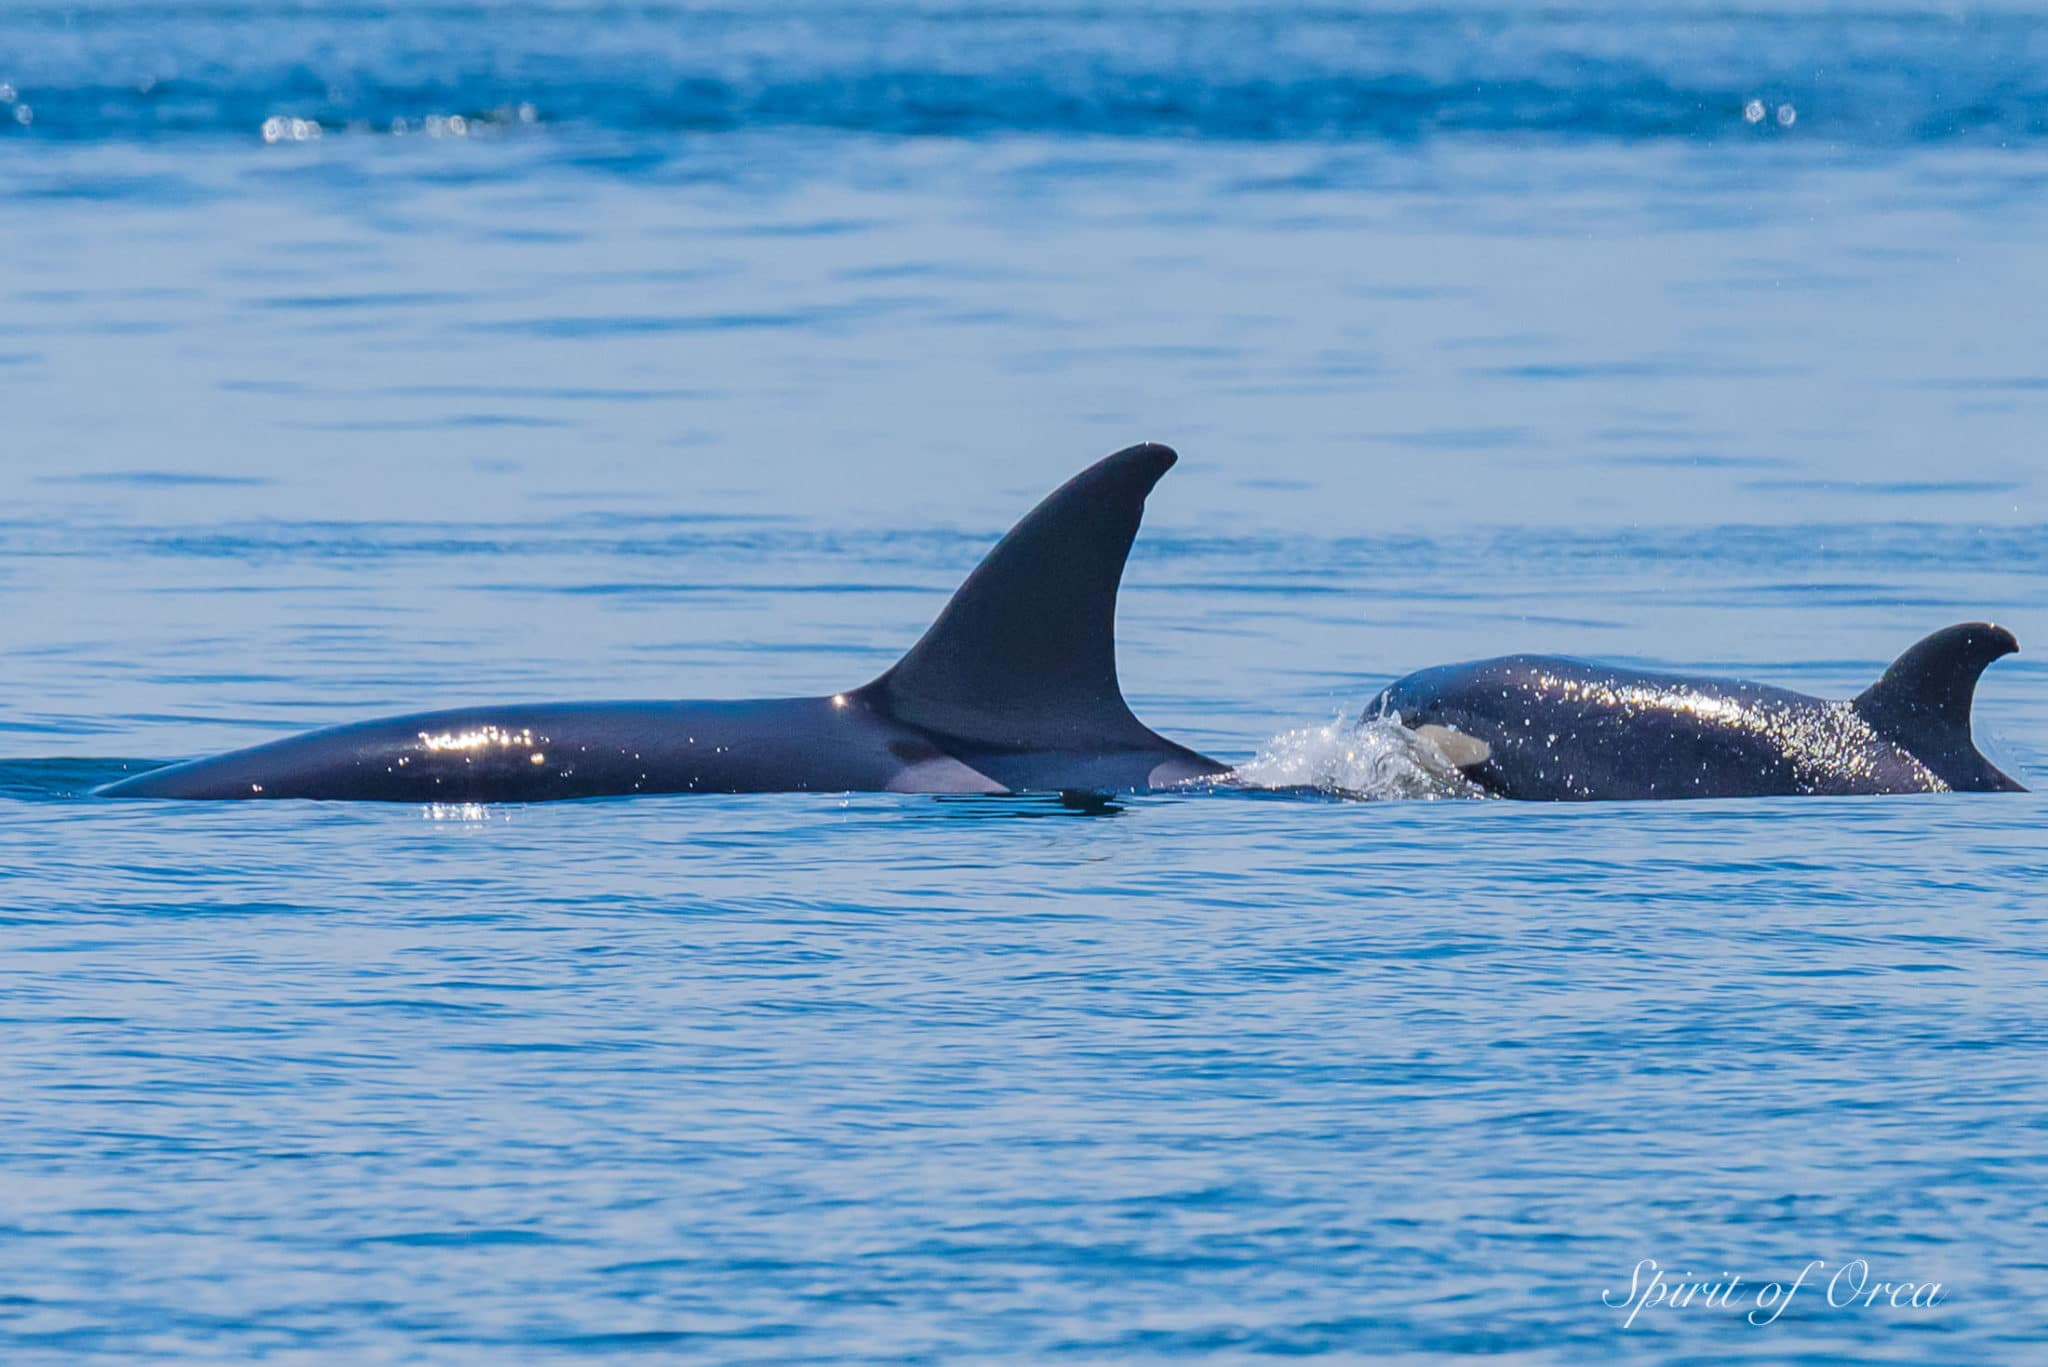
1548, 729
1013, 688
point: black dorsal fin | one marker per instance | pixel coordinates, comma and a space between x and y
1024, 656
1932, 685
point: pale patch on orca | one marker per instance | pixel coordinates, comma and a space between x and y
1463, 751
941, 773
1177, 773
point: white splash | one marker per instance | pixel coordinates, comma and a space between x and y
1372, 760
278, 129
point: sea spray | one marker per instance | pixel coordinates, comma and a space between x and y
1370, 760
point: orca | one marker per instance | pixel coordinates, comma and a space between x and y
1013, 688
1551, 729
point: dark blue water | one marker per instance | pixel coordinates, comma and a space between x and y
357, 358
1885, 74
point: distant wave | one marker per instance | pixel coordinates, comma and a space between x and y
132, 71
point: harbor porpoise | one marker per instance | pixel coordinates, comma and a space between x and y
1013, 688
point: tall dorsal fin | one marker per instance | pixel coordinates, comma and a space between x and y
1025, 653
1933, 684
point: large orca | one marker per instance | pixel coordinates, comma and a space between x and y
1550, 729
1013, 688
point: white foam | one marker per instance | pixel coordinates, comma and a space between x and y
1370, 761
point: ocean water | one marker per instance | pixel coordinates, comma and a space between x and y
358, 358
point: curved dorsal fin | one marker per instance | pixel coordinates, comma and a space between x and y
1933, 684
1025, 653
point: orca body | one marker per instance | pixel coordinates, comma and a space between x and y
1551, 729
1013, 688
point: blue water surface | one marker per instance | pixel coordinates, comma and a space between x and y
358, 358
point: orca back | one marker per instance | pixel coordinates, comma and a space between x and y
1550, 728
1018, 675
1923, 703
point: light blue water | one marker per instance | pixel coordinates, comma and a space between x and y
708, 373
